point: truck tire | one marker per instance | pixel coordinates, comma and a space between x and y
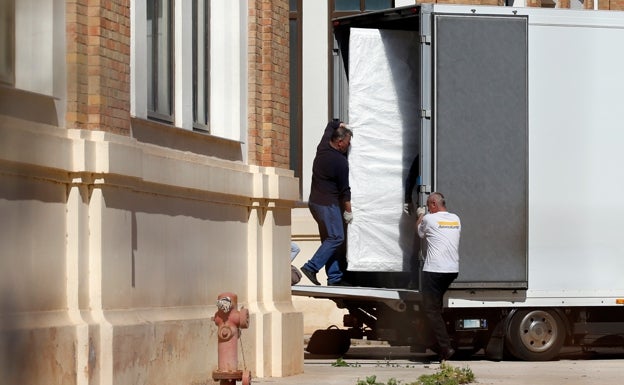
535, 335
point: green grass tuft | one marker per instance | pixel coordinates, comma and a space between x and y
446, 375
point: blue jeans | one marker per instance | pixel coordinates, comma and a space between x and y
331, 230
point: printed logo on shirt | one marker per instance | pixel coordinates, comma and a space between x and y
448, 225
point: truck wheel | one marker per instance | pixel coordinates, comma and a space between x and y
535, 335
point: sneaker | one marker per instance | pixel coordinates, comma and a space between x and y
310, 274
342, 282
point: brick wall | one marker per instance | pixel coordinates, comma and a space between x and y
98, 65
268, 83
614, 5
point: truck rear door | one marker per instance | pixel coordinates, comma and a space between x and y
475, 138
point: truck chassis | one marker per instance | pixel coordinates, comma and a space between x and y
526, 333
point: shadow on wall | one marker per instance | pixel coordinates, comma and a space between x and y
28, 106
13, 355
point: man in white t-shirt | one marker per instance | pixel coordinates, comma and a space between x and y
442, 230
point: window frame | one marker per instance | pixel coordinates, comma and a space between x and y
7, 42
296, 91
228, 89
363, 9
201, 123
153, 60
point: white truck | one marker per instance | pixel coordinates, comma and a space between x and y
516, 115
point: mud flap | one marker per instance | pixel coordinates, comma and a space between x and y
495, 347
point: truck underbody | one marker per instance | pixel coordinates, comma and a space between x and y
526, 333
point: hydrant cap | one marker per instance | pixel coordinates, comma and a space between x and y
224, 304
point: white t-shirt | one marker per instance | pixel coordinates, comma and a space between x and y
442, 231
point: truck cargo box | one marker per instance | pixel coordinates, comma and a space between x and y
510, 116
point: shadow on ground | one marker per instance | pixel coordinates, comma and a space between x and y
384, 352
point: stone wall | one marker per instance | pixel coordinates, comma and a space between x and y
115, 251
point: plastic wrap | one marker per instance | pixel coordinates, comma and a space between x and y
384, 117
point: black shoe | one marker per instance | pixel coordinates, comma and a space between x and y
310, 274
342, 282
446, 354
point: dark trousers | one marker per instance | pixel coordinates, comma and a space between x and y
434, 285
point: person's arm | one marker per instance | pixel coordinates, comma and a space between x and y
419, 223
344, 188
412, 179
347, 215
327, 134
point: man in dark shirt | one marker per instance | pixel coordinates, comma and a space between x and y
330, 202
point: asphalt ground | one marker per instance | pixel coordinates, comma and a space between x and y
605, 367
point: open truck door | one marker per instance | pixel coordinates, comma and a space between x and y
449, 90
475, 140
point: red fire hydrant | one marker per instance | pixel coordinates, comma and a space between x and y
230, 320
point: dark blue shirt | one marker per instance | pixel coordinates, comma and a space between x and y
330, 172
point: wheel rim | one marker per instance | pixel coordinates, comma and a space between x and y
538, 331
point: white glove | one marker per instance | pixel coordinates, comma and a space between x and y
408, 208
420, 211
348, 217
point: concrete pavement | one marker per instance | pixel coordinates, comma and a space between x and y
574, 368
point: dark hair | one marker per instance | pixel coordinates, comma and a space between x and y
340, 133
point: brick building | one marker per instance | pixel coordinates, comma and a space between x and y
143, 171
151, 155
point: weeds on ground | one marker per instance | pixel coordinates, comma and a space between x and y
372, 380
342, 363
446, 375
389, 364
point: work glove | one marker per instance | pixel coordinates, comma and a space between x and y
348, 217
408, 208
420, 211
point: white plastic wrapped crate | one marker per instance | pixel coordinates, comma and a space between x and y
383, 113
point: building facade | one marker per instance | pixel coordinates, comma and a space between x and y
154, 154
143, 171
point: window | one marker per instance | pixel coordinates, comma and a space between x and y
357, 6
160, 62
347, 5
175, 78
376, 5
201, 65
7, 38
